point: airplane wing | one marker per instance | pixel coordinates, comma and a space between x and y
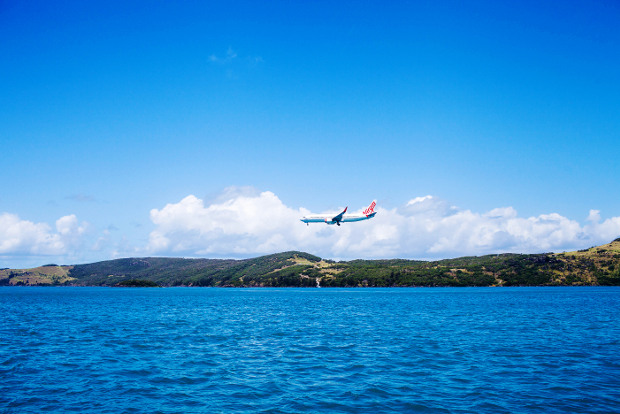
338, 218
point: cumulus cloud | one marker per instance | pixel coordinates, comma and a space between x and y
238, 223
606, 230
23, 237
245, 222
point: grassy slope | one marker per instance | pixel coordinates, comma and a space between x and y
44, 275
599, 265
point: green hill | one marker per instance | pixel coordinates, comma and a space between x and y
595, 266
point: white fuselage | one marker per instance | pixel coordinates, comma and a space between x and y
327, 218
342, 217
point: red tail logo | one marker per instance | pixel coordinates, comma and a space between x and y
370, 209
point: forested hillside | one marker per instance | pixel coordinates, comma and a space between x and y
595, 266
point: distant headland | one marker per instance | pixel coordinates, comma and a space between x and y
596, 266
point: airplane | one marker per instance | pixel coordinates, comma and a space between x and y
341, 218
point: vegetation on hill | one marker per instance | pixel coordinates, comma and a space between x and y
137, 283
595, 266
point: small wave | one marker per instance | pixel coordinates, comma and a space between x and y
289, 351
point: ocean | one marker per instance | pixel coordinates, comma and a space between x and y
361, 350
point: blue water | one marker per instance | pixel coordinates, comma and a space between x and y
209, 350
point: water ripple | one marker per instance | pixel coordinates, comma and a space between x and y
184, 350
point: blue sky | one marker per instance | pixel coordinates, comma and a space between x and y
159, 128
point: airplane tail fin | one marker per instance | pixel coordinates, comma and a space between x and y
370, 209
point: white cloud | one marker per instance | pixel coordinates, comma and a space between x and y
236, 224
245, 222
594, 216
608, 229
23, 237
229, 57
419, 200
68, 226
